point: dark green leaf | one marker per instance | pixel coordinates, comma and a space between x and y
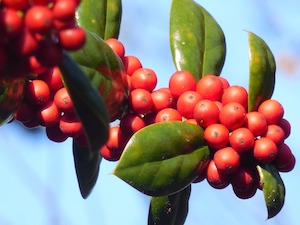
262, 72
11, 96
163, 158
87, 168
102, 17
88, 104
106, 72
273, 188
169, 210
197, 41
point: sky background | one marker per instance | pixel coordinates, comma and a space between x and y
38, 181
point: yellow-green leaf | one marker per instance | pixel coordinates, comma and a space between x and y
262, 72
197, 41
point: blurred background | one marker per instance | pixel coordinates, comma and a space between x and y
38, 181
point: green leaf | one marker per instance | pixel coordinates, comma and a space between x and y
273, 188
197, 41
106, 72
11, 97
102, 17
88, 104
113, 19
169, 210
163, 158
87, 168
262, 72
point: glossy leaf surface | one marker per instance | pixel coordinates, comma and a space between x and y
163, 158
87, 102
87, 164
169, 210
196, 39
11, 96
273, 188
102, 17
106, 72
262, 72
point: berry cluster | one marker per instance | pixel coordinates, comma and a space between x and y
47, 103
34, 34
238, 139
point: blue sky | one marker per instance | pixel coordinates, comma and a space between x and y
39, 184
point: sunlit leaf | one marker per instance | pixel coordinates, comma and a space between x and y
197, 41
102, 17
163, 158
262, 72
169, 210
273, 188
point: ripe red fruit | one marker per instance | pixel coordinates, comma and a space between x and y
224, 82
216, 135
227, 160
210, 87
186, 103
286, 126
245, 194
289, 167
11, 23
70, 125
206, 113
235, 93
42, 2
72, 38
168, 114
161, 100
180, 82
64, 9
116, 141
275, 133
140, 101
149, 118
63, 100
144, 78
55, 134
35, 66
110, 155
116, 46
37, 92
272, 110
131, 64
16, 4
241, 139
243, 179
284, 156
52, 77
48, 114
265, 150
256, 123
25, 44
39, 19
49, 53
131, 123
232, 115
215, 177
